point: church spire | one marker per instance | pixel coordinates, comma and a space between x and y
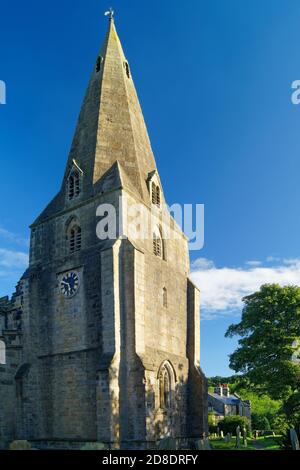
111, 134
111, 126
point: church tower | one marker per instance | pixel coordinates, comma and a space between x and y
110, 325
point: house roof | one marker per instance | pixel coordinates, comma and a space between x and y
230, 400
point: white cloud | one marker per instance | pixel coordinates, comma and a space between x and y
272, 259
222, 289
254, 263
13, 237
12, 259
202, 264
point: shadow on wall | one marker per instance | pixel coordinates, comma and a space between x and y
163, 419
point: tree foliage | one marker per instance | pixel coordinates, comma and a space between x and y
269, 326
230, 423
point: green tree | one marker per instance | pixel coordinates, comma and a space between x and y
262, 406
230, 423
270, 324
260, 422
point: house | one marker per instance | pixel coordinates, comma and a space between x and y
222, 403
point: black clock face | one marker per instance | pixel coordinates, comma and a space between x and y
69, 284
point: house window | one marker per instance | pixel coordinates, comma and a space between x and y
165, 297
74, 184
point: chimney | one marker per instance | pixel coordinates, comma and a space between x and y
219, 390
225, 390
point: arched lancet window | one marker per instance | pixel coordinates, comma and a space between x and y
74, 184
165, 297
2, 352
74, 237
166, 379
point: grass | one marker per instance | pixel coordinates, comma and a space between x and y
261, 443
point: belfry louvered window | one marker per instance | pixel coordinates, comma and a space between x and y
75, 239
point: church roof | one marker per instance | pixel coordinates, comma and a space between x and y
110, 129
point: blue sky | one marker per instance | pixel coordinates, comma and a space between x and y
214, 80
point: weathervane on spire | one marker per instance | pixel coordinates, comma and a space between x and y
110, 13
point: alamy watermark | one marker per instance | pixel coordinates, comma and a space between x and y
2, 92
139, 222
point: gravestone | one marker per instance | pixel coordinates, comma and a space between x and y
244, 437
20, 445
168, 443
238, 438
94, 446
294, 439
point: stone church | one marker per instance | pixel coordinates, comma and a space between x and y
102, 336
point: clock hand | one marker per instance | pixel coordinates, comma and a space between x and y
68, 286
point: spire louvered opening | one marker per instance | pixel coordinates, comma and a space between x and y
74, 184
127, 69
99, 63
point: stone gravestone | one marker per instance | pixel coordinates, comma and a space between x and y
20, 445
227, 438
167, 443
244, 437
294, 439
199, 444
222, 434
94, 446
206, 444
238, 438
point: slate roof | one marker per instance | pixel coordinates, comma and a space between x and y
231, 400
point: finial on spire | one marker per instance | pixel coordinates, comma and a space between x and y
110, 13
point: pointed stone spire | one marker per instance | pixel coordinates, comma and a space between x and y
110, 129
111, 126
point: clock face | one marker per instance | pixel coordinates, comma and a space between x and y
69, 284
